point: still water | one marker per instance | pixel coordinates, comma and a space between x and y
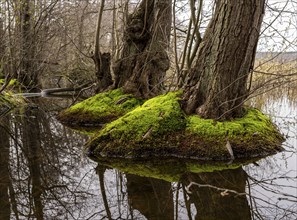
45, 175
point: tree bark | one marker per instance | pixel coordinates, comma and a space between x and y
27, 75
144, 61
217, 85
101, 60
2, 46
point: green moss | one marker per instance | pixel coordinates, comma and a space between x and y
160, 128
133, 133
12, 82
9, 101
156, 116
252, 124
100, 108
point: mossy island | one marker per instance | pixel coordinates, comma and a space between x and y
99, 109
158, 127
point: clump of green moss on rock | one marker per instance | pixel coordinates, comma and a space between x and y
99, 109
159, 127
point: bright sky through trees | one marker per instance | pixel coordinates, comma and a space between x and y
279, 29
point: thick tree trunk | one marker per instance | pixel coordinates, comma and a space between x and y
144, 61
217, 85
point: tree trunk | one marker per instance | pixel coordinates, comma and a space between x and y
2, 46
144, 61
27, 75
103, 74
217, 85
101, 60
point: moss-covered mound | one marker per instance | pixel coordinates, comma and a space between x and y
160, 128
99, 109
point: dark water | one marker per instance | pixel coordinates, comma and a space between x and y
45, 175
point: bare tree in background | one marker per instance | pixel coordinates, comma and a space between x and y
102, 60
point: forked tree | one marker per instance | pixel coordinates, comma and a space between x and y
218, 83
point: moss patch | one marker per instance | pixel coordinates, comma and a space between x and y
12, 83
9, 101
135, 133
99, 109
155, 117
160, 128
251, 135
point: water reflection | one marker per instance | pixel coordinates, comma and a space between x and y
201, 195
44, 176
153, 198
219, 194
40, 167
4, 173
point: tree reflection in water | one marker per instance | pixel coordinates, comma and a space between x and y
42, 172
217, 195
4, 172
151, 197
43, 176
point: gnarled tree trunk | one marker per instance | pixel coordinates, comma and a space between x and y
217, 85
144, 61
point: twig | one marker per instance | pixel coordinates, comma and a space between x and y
224, 191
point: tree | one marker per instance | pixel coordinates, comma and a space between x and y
144, 61
101, 60
216, 86
27, 73
2, 48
